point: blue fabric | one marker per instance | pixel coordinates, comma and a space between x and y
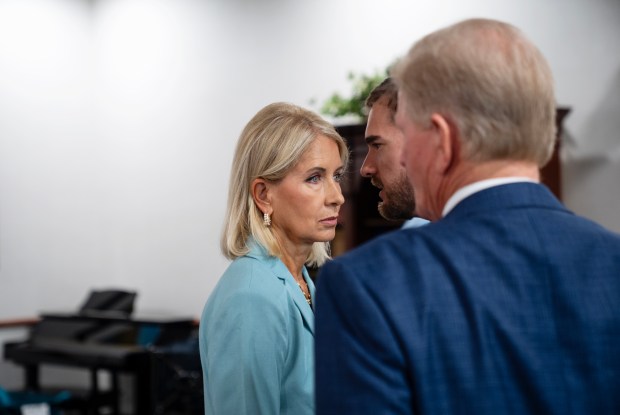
257, 340
15, 400
5, 399
508, 305
414, 223
148, 334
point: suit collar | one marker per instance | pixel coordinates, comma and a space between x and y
507, 196
476, 187
281, 272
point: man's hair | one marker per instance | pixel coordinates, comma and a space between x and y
270, 145
386, 89
488, 79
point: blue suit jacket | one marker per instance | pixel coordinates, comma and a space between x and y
508, 305
257, 340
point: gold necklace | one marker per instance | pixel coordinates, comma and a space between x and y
305, 292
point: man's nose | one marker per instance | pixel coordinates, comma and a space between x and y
368, 168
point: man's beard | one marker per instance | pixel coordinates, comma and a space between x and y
399, 203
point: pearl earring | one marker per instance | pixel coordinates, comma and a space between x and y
266, 219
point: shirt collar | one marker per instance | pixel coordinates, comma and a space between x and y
476, 187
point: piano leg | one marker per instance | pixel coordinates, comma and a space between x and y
32, 377
115, 393
144, 389
94, 390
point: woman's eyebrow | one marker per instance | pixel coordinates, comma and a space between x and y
316, 169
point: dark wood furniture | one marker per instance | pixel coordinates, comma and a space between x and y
109, 341
360, 220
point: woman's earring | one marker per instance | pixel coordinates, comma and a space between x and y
266, 219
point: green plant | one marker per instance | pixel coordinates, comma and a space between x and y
339, 106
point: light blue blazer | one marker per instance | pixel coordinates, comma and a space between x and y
257, 340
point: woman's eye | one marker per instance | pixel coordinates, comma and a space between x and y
338, 177
314, 179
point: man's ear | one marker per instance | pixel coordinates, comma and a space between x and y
447, 144
260, 193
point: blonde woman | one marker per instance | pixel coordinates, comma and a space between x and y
257, 327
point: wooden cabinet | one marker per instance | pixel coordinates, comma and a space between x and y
360, 220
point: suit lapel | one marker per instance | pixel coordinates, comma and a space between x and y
295, 292
281, 272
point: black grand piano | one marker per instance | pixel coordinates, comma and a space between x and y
105, 340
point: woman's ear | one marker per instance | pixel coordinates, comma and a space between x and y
448, 146
260, 194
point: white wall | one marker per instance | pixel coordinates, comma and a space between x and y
118, 119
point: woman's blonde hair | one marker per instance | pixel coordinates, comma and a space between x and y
270, 145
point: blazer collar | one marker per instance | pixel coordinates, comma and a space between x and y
479, 186
506, 196
281, 272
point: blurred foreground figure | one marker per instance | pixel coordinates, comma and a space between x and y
508, 303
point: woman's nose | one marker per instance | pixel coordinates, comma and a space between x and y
335, 196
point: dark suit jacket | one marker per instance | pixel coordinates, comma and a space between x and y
508, 305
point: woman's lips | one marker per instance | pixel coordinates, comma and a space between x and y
331, 221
